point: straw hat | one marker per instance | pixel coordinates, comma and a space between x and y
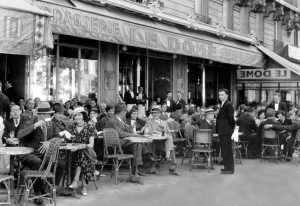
44, 108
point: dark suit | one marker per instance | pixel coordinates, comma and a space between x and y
293, 128
125, 131
203, 124
9, 127
249, 128
30, 137
170, 108
4, 106
225, 126
143, 100
281, 107
128, 98
10, 93
181, 101
139, 123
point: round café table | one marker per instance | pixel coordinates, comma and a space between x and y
12, 152
136, 141
69, 148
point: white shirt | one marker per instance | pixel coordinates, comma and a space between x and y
168, 103
276, 105
18, 121
132, 122
131, 93
222, 103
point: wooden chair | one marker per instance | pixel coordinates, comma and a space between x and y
46, 172
113, 151
202, 145
270, 141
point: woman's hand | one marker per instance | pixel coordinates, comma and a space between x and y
90, 145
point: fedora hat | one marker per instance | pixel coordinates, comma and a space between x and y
209, 111
44, 108
155, 108
57, 107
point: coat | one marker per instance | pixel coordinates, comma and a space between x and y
170, 108
120, 126
225, 119
30, 137
4, 106
247, 124
155, 127
128, 98
9, 127
139, 123
281, 107
203, 124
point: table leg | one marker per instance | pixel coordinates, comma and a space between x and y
69, 167
11, 172
135, 178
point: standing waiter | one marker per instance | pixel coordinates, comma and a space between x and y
225, 126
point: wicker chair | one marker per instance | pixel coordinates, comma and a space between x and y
296, 145
202, 145
6, 180
190, 136
270, 141
179, 141
113, 151
47, 175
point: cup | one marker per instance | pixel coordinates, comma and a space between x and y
48, 122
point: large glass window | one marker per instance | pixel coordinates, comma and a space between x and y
159, 77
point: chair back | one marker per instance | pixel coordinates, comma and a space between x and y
297, 140
111, 141
173, 125
270, 134
190, 131
51, 156
203, 137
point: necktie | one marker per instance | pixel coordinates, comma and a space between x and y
16, 122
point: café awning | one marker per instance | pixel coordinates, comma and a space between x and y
25, 28
280, 60
290, 53
119, 27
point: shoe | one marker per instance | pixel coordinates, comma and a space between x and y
173, 172
288, 159
141, 173
39, 202
227, 172
222, 170
84, 191
153, 171
74, 184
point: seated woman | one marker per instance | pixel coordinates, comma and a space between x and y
134, 121
83, 164
160, 127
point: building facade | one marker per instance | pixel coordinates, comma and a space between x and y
193, 46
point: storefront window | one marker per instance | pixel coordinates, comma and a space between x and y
67, 73
159, 77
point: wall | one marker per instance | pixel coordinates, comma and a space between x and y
180, 76
216, 11
109, 80
269, 34
236, 19
181, 8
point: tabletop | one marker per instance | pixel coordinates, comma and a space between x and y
12, 141
73, 146
156, 137
138, 139
15, 150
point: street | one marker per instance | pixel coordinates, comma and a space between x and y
254, 183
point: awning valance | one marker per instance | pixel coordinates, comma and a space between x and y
280, 60
109, 25
24, 28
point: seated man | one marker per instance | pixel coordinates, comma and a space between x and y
158, 126
293, 128
284, 135
176, 115
208, 123
116, 122
34, 133
12, 125
100, 125
249, 129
